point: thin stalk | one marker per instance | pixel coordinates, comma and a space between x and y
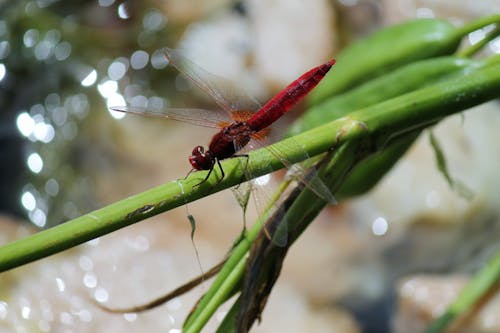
215, 300
478, 24
483, 281
474, 48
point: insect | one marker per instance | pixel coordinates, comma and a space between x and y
240, 124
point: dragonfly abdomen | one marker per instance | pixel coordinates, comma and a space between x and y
288, 97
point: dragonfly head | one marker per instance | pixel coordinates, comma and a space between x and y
201, 159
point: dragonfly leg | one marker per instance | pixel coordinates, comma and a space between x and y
246, 159
210, 172
190, 172
206, 178
245, 167
221, 172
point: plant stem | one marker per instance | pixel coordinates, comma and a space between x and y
162, 198
483, 281
474, 48
231, 267
478, 24
214, 301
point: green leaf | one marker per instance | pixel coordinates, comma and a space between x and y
442, 166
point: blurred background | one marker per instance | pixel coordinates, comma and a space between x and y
387, 261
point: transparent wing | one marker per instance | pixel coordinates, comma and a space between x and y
199, 117
223, 91
259, 189
308, 178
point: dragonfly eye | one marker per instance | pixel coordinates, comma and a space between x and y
201, 160
198, 150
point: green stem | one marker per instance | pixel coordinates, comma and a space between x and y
492, 61
478, 24
474, 48
214, 300
161, 199
300, 208
426, 106
219, 288
483, 281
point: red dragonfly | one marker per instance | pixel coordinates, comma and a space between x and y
239, 125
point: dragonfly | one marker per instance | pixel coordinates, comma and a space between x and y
242, 120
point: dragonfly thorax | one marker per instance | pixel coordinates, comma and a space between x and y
224, 145
201, 159
230, 140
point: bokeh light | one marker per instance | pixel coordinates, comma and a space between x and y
25, 124
28, 200
38, 217
114, 100
62, 51
154, 20
139, 59
101, 295
380, 226
90, 79
35, 162
123, 12
31, 37
106, 3
107, 88
4, 49
43, 50
263, 180
3, 71
117, 69
52, 187
158, 59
